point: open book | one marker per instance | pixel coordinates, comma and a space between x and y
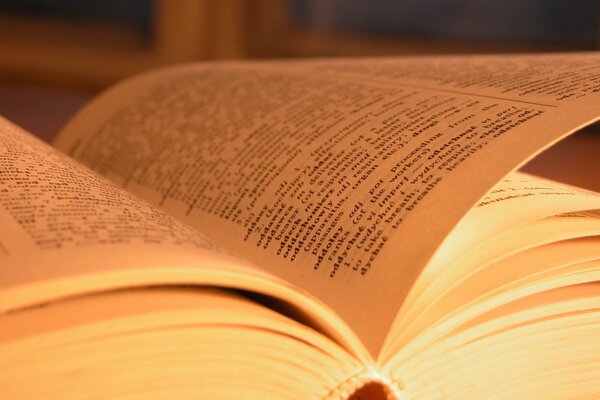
308, 229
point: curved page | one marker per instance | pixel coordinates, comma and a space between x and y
66, 232
341, 176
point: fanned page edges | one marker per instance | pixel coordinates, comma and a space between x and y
546, 347
519, 214
330, 173
181, 341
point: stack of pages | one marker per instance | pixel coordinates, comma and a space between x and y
312, 229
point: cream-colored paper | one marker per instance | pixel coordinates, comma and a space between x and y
67, 232
341, 177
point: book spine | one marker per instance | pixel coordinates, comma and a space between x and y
369, 384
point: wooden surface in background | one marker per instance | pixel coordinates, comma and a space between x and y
84, 54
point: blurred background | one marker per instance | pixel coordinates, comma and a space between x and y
56, 54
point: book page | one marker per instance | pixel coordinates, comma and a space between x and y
66, 232
520, 212
516, 200
342, 177
60, 219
